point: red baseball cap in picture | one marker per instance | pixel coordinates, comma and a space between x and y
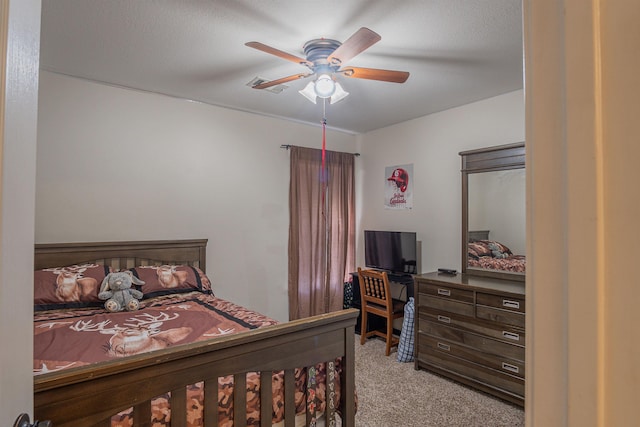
401, 178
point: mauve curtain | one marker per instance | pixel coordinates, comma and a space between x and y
321, 242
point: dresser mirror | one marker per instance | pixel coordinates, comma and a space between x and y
493, 212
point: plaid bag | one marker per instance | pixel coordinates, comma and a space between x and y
405, 346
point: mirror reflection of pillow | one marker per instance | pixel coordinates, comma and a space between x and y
479, 249
472, 253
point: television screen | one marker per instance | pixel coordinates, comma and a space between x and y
393, 251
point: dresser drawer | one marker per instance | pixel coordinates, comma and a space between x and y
446, 292
446, 305
501, 302
497, 315
466, 371
497, 362
506, 333
470, 339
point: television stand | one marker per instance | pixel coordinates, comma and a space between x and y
404, 278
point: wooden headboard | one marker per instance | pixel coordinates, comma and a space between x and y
475, 235
123, 254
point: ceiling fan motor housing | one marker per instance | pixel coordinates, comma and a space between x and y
317, 51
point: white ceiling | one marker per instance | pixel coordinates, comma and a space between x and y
457, 51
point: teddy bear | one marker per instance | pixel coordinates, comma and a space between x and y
497, 251
117, 290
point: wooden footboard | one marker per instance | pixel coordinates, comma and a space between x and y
90, 395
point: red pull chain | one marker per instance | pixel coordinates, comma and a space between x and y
324, 171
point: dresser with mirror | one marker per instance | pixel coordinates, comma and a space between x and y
470, 326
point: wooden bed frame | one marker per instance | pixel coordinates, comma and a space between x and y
90, 395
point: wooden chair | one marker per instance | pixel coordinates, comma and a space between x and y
376, 299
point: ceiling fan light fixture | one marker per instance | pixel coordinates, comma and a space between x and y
339, 94
325, 86
309, 92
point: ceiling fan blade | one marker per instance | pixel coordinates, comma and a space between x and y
358, 42
375, 74
282, 80
279, 53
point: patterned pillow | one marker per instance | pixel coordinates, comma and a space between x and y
478, 249
171, 279
73, 286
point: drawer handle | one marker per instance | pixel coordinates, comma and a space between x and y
509, 367
511, 335
444, 292
443, 346
510, 304
444, 319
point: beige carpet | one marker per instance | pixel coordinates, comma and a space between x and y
392, 394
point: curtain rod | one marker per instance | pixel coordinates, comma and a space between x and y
287, 146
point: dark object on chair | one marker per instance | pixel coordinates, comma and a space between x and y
347, 299
376, 299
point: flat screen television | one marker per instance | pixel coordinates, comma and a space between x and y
392, 251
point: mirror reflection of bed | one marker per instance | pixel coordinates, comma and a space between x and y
492, 254
496, 203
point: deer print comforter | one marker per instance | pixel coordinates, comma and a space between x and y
70, 338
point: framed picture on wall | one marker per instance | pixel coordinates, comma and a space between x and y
398, 188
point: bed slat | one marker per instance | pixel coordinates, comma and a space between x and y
266, 395
141, 414
211, 403
178, 407
289, 398
239, 399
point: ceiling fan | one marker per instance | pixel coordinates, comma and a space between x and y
325, 58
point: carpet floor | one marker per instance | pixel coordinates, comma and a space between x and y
391, 393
